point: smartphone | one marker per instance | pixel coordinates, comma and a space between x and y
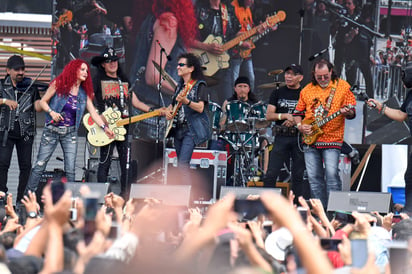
88, 230
344, 217
249, 209
396, 218
398, 257
114, 231
303, 213
309, 204
57, 188
359, 252
330, 244
73, 210
91, 205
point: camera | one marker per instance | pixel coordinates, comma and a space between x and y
407, 75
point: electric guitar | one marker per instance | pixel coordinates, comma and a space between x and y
316, 126
177, 106
214, 62
96, 135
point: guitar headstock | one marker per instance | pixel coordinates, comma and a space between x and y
274, 19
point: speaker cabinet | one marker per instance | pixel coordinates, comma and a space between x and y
360, 201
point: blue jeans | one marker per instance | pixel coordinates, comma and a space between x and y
246, 66
48, 144
184, 146
322, 166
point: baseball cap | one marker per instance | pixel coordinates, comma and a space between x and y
295, 68
15, 62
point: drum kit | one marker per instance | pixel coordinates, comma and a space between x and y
242, 129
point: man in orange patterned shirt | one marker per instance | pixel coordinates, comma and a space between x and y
325, 97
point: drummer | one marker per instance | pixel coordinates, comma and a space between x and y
282, 103
242, 92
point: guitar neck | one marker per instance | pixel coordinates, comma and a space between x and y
329, 118
235, 41
137, 118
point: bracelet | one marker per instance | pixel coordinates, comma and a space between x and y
190, 101
298, 125
151, 109
49, 110
4, 101
383, 109
279, 116
103, 126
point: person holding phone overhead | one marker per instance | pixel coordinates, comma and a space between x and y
65, 102
189, 110
323, 106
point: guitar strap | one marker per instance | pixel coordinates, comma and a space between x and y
330, 98
225, 18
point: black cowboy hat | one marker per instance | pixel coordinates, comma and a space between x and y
108, 54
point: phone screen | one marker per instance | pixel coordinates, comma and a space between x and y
57, 189
249, 209
359, 251
91, 207
330, 244
344, 217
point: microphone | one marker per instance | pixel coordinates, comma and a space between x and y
51, 122
163, 49
352, 88
311, 58
331, 4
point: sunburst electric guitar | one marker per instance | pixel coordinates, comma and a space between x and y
316, 126
96, 135
214, 62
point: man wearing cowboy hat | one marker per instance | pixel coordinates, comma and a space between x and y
111, 88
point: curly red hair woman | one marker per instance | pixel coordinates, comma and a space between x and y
184, 12
65, 101
69, 77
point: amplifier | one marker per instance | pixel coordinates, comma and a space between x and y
212, 164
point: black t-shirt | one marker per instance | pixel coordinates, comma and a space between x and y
285, 100
407, 108
108, 92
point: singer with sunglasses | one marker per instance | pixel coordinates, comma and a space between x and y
325, 97
65, 101
188, 112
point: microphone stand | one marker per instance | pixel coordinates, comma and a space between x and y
160, 103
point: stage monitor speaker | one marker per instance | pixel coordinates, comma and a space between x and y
173, 195
101, 188
93, 165
244, 192
360, 201
392, 133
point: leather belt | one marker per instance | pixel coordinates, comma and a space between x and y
61, 130
284, 131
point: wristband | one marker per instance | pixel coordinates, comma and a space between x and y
49, 110
151, 109
383, 109
190, 101
103, 126
4, 101
279, 116
298, 125
240, 43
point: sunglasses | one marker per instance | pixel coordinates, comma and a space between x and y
324, 77
108, 61
181, 65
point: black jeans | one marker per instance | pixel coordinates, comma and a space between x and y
24, 147
284, 148
408, 185
106, 153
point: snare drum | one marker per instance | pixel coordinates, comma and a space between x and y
243, 139
215, 114
236, 116
257, 115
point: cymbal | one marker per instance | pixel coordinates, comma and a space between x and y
275, 72
272, 85
165, 75
211, 81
